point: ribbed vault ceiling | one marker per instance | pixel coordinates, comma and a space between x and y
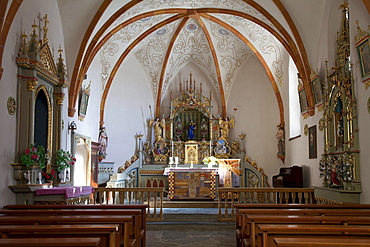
164, 36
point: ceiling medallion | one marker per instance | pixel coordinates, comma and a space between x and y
161, 32
191, 27
12, 105
223, 31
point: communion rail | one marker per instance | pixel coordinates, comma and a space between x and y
151, 196
227, 197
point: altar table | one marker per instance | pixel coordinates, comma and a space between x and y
191, 183
63, 195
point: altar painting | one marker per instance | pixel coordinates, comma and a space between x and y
229, 173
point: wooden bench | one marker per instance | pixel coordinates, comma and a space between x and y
250, 222
124, 221
318, 242
294, 209
47, 242
108, 233
136, 213
141, 238
267, 232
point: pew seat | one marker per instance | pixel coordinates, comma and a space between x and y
318, 242
108, 233
47, 242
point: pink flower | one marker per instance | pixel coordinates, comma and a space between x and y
27, 151
34, 156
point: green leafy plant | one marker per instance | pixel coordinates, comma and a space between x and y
49, 176
64, 159
34, 155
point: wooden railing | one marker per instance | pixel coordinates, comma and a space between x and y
227, 197
151, 196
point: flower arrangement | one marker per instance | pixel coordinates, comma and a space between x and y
211, 160
49, 176
34, 155
64, 159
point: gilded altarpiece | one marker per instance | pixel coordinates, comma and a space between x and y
339, 165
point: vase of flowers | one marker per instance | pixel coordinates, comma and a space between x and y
49, 177
64, 160
210, 161
33, 158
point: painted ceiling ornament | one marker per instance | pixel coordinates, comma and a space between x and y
120, 40
11, 105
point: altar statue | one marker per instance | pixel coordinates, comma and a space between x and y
203, 129
178, 129
191, 128
225, 125
158, 126
103, 141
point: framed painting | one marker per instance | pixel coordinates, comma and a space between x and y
312, 142
84, 101
363, 49
303, 100
317, 89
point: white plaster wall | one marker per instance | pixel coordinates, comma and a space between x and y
359, 12
28, 12
127, 111
257, 115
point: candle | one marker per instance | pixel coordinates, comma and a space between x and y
172, 147
176, 160
210, 147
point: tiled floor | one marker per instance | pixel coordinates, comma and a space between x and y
193, 227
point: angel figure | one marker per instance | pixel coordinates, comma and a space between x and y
158, 126
225, 125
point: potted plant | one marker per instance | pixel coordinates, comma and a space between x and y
34, 156
33, 160
49, 176
64, 160
210, 161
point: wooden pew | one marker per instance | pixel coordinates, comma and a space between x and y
108, 233
276, 208
266, 233
136, 213
318, 242
47, 242
124, 221
251, 221
106, 207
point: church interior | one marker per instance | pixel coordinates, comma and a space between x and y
195, 99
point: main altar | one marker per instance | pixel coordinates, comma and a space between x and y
178, 145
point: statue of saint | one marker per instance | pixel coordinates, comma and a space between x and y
203, 129
225, 125
178, 129
191, 128
158, 126
280, 136
103, 141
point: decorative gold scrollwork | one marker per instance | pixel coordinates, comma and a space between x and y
31, 85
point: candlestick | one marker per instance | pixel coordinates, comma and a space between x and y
172, 147
191, 164
176, 161
210, 147
171, 161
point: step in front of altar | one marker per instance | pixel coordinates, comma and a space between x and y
189, 203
